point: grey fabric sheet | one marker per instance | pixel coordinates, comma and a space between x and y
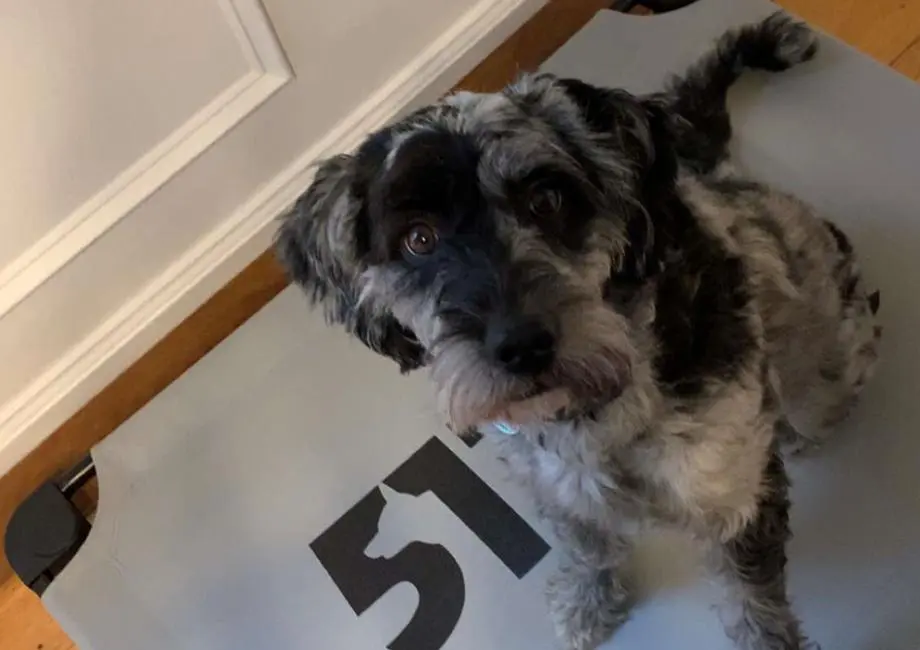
240, 509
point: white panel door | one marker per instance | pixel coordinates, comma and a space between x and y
148, 145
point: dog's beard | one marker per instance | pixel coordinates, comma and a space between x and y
591, 369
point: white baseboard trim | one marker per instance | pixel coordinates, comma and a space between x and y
33, 414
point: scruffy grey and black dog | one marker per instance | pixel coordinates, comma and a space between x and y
586, 266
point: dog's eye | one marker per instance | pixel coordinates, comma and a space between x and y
421, 239
545, 201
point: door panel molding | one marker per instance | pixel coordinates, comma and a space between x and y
269, 71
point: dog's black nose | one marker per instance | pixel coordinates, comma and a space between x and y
524, 348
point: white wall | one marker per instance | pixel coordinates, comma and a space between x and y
147, 148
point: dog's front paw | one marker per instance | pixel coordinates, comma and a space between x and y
586, 606
792, 441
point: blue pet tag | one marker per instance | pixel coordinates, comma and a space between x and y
504, 427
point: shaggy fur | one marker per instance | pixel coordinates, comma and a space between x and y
587, 265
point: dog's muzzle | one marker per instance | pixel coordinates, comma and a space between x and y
522, 347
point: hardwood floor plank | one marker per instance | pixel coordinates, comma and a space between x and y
24, 623
883, 29
908, 62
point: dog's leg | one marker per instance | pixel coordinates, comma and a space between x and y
589, 597
790, 438
698, 97
849, 360
755, 565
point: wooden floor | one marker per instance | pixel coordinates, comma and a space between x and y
887, 30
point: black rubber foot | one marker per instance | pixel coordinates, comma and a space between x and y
43, 535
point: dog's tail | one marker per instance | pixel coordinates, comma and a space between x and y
698, 97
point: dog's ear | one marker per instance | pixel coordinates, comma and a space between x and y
633, 132
321, 242
316, 242
615, 118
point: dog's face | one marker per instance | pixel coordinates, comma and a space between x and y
481, 237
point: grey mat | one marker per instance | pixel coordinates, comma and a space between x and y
240, 509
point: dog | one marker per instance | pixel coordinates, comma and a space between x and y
586, 269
